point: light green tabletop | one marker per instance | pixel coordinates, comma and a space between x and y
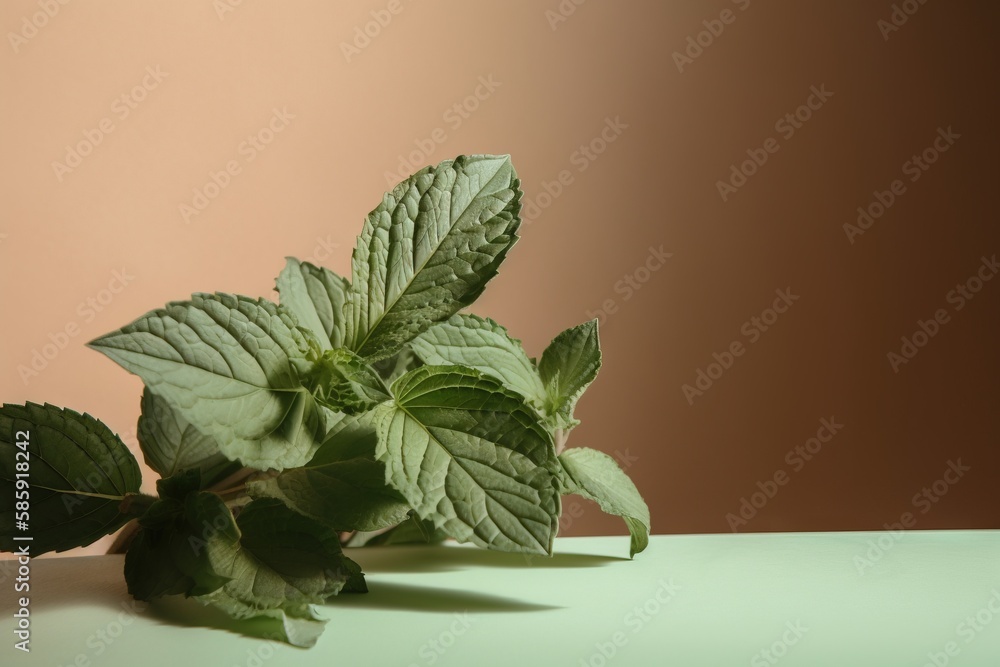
846, 599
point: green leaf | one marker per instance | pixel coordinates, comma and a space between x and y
596, 476
414, 531
76, 473
170, 553
430, 248
317, 297
170, 444
471, 457
344, 382
343, 486
231, 366
484, 345
285, 562
568, 366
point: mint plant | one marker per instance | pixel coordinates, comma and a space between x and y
361, 411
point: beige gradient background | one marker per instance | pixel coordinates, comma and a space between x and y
307, 192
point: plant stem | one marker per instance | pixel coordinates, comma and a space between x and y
235, 478
233, 490
561, 438
135, 504
124, 538
238, 502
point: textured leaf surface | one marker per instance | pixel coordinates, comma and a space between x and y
430, 248
568, 366
285, 562
484, 345
470, 456
67, 454
317, 297
598, 477
343, 485
231, 367
170, 444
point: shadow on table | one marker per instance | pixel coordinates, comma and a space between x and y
388, 596
179, 611
88, 580
185, 612
435, 559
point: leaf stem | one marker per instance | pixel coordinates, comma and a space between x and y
230, 491
135, 504
561, 437
238, 476
124, 538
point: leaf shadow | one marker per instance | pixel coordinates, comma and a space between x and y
390, 596
185, 612
87, 580
402, 559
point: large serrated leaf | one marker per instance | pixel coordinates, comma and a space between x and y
317, 297
284, 563
471, 457
77, 472
567, 367
343, 486
596, 476
170, 444
232, 367
482, 344
429, 249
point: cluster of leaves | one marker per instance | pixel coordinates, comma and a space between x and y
352, 407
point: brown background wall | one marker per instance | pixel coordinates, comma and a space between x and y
553, 90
